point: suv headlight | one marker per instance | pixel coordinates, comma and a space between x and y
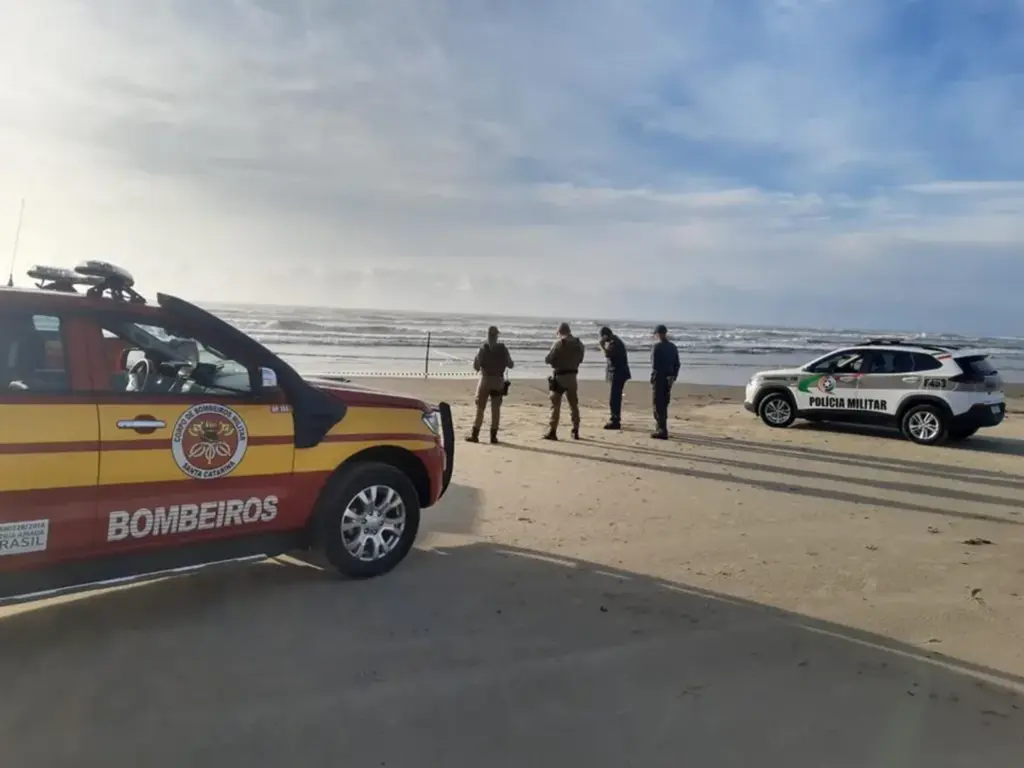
433, 421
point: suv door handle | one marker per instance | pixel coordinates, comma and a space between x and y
142, 424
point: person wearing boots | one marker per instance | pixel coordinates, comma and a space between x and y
565, 358
617, 374
491, 362
664, 371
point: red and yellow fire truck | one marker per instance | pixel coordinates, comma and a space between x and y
139, 438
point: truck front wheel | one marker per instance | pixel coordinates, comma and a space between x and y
367, 519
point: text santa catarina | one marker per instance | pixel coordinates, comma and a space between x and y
186, 518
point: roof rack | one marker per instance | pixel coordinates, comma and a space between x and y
894, 342
113, 279
60, 279
882, 342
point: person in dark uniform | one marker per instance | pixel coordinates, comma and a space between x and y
664, 371
565, 357
491, 362
617, 373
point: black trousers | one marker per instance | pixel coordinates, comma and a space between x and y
661, 391
618, 383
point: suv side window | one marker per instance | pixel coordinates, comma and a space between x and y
924, 362
848, 361
880, 363
153, 360
32, 357
895, 361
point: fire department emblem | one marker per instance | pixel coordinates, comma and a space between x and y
209, 441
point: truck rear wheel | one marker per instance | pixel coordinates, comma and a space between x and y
924, 425
367, 519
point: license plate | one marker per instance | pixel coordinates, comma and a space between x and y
996, 409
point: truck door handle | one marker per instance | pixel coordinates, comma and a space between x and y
144, 425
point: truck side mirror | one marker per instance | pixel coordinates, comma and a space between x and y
268, 379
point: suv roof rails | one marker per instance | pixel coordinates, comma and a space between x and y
894, 342
882, 342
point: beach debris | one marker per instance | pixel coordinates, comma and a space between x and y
976, 542
994, 713
933, 529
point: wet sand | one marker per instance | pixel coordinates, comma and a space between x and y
734, 596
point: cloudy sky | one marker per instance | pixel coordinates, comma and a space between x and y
812, 162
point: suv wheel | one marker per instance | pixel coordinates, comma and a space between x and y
776, 410
924, 424
367, 519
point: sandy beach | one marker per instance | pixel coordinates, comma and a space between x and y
734, 596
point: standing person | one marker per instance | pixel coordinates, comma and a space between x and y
564, 358
664, 372
617, 374
491, 362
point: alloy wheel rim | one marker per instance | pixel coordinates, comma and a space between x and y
373, 522
924, 425
777, 411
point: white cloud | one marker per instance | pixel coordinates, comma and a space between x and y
534, 157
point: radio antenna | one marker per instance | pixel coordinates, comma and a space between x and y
14, 252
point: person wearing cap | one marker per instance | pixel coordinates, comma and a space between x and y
565, 357
664, 372
491, 362
617, 374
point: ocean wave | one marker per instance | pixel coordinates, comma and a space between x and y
295, 325
323, 328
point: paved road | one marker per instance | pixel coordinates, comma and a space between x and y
477, 656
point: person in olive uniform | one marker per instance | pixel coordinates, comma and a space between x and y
617, 374
664, 371
565, 358
491, 362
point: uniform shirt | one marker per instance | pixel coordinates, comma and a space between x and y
492, 359
566, 355
664, 361
618, 359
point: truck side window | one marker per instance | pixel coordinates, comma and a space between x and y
149, 359
32, 355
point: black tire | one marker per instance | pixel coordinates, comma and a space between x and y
912, 425
961, 434
343, 490
776, 410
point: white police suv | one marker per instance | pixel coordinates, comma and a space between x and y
929, 393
